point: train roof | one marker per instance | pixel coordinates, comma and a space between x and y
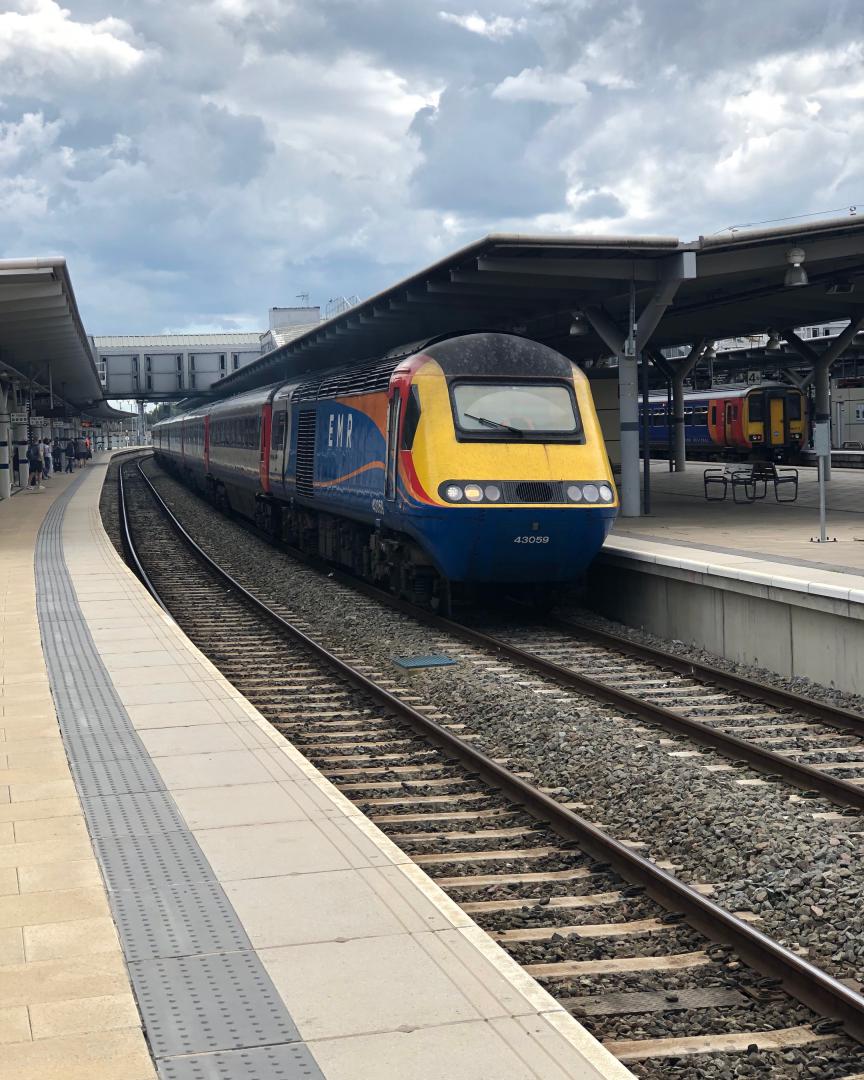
720, 395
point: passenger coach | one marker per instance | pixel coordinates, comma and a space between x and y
467, 460
767, 420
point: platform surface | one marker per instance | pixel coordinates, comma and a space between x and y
766, 541
256, 920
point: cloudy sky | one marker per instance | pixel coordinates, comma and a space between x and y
198, 161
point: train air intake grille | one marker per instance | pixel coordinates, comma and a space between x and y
306, 452
534, 491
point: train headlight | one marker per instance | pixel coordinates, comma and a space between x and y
591, 493
605, 493
574, 492
453, 493
493, 493
473, 493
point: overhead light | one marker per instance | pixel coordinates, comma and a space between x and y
773, 344
710, 352
579, 326
796, 275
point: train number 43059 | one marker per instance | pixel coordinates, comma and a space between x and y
531, 540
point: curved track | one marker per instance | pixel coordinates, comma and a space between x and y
598, 924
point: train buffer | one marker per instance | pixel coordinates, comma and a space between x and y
749, 483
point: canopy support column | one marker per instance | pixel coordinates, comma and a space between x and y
681, 372
627, 347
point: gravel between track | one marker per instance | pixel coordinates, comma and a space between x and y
763, 849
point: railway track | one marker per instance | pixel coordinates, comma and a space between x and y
673, 984
814, 745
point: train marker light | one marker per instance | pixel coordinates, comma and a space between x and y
493, 493
591, 493
605, 493
453, 493
473, 492
574, 492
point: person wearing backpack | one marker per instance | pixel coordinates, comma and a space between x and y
34, 460
70, 455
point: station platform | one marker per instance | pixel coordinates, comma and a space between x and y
745, 580
182, 894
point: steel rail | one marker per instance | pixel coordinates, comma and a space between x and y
714, 676
803, 776
126, 537
806, 983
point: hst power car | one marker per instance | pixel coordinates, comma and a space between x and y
463, 461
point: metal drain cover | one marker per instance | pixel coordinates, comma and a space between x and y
429, 660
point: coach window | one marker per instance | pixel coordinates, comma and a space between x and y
793, 407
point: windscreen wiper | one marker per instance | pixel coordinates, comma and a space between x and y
494, 423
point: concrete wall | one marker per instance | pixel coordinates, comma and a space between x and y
783, 630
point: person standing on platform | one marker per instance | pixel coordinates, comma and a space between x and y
70, 455
46, 454
57, 457
34, 460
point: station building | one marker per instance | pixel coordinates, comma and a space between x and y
168, 367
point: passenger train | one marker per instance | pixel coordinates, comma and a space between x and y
767, 420
462, 461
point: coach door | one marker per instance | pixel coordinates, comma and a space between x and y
729, 434
716, 423
394, 413
777, 434
278, 442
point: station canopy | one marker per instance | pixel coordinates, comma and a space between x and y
564, 290
41, 333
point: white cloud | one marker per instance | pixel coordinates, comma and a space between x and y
547, 87
41, 42
495, 28
211, 157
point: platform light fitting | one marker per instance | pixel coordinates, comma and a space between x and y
796, 275
773, 344
579, 326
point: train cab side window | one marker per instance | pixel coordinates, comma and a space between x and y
713, 415
793, 407
412, 418
756, 404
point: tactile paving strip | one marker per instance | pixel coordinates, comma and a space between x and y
142, 813
182, 920
152, 862
209, 1008
268, 1063
219, 1002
